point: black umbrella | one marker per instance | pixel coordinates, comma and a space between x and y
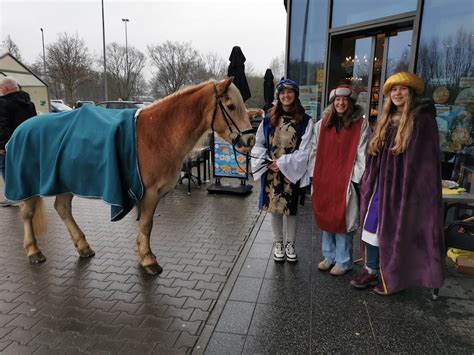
237, 70
268, 89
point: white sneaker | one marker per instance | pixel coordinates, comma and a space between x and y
278, 251
290, 251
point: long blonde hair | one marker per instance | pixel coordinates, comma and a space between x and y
404, 129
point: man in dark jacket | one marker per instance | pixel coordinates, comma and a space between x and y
15, 108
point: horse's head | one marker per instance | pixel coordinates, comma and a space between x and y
231, 120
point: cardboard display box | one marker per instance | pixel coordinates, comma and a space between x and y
465, 265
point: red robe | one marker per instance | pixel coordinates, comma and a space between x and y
335, 156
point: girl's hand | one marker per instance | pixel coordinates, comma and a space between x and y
274, 167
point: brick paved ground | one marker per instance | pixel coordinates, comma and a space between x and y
287, 308
220, 291
106, 304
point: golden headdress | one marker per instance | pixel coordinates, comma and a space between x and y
404, 78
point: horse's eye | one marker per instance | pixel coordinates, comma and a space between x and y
231, 107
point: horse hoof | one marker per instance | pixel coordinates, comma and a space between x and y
153, 269
37, 258
88, 253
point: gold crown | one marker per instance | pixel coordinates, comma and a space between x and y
404, 78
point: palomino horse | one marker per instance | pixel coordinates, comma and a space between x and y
166, 131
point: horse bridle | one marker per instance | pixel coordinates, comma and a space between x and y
227, 119
238, 134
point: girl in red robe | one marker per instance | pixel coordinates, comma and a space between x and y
340, 143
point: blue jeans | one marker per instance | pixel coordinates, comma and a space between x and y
2, 166
371, 256
337, 249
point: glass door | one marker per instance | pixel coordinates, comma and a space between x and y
363, 61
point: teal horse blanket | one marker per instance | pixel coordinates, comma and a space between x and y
90, 152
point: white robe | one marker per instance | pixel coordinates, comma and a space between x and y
293, 166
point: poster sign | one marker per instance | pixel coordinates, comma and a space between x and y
226, 164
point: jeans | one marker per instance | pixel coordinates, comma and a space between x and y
337, 248
372, 256
2, 165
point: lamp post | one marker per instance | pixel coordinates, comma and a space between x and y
125, 20
103, 49
44, 56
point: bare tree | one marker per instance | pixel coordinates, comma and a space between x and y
8, 45
176, 64
126, 79
69, 63
277, 65
215, 66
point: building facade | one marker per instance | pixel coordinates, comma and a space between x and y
362, 42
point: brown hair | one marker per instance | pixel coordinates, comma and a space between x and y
296, 112
330, 118
404, 129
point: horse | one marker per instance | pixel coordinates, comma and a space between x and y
166, 131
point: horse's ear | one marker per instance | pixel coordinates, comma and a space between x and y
223, 85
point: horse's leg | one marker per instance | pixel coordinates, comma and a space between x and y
147, 258
62, 204
28, 209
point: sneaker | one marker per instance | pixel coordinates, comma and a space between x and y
337, 271
379, 290
290, 251
365, 279
325, 265
278, 251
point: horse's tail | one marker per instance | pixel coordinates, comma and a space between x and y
39, 220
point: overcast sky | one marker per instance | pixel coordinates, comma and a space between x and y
257, 26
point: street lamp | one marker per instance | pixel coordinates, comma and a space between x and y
44, 56
125, 20
103, 48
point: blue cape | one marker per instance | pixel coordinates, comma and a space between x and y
90, 152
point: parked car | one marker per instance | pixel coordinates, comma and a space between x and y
79, 103
59, 101
59, 107
121, 104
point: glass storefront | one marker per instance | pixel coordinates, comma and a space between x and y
349, 12
446, 63
307, 51
369, 40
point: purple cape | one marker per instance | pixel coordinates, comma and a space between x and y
410, 206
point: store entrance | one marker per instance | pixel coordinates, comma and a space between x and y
363, 61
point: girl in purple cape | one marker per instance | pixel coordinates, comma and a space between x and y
401, 210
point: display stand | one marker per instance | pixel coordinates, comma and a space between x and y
228, 165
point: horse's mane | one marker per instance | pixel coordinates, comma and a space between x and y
181, 92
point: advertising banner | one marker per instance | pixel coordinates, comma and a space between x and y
226, 164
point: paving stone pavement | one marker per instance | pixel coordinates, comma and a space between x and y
220, 291
106, 304
293, 308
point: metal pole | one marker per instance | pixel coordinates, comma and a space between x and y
44, 56
125, 20
106, 94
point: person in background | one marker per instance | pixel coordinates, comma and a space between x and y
401, 194
338, 158
15, 108
280, 160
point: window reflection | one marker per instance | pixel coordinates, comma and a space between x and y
446, 63
307, 50
348, 12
